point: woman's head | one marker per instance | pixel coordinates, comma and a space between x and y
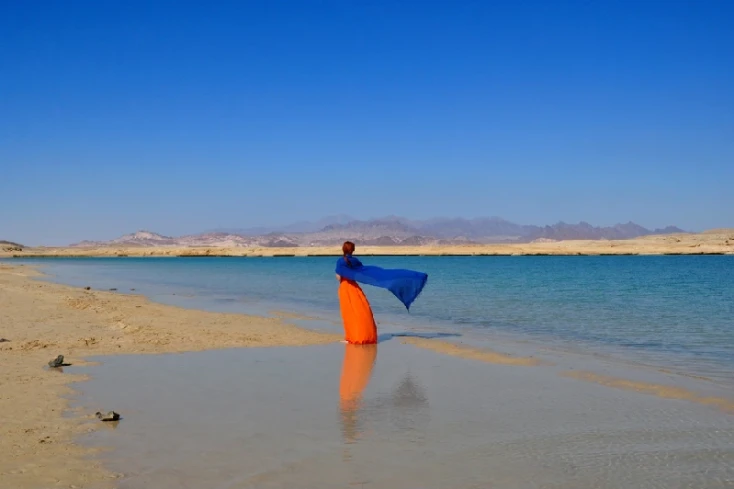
348, 248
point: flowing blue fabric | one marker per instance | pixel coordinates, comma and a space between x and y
406, 285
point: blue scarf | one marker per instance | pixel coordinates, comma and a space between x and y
406, 285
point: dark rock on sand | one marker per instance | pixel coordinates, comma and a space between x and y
110, 416
57, 362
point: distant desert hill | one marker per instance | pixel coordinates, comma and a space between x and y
719, 231
10, 244
661, 244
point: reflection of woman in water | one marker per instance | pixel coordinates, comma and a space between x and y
356, 371
359, 323
406, 406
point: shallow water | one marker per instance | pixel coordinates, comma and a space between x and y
397, 416
393, 416
671, 311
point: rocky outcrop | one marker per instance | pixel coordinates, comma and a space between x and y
10, 246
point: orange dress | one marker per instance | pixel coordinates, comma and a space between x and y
359, 323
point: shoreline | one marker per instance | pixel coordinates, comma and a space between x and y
707, 243
40, 320
164, 254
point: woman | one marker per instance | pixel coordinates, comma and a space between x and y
359, 323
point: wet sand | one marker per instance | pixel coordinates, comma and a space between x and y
39, 320
413, 412
393, 416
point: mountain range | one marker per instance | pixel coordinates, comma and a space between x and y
386, 231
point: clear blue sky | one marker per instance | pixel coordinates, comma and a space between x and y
180, 117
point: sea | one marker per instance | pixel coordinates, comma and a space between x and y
667, 311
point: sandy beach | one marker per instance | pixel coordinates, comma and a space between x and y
40, 320
41, 427
715, 241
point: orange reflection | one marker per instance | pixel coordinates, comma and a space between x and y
356, 371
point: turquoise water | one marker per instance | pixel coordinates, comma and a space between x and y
672, 310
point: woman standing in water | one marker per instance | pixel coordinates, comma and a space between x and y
359, 323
